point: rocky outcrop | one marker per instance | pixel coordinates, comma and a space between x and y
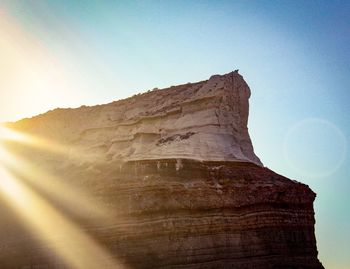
199, 121
177, 172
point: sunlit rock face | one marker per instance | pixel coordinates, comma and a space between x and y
204, 121
176, 172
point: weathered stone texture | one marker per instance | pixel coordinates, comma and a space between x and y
177, 169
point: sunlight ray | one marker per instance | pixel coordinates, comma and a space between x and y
72, 245
10, 135
46, 182
59, 234
69, 151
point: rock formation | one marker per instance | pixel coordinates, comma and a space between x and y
176, 168
204, 121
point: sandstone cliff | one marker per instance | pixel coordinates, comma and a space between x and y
200, 121
176, 171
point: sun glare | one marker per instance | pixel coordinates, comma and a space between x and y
56, 187
68, 151
72, 245
29, 68
9, 186
10, 135
7, 135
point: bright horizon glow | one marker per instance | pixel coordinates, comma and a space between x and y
294, 56
32, 80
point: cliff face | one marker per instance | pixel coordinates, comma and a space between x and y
200, 121
176, 171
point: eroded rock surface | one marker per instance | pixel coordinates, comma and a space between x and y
177, 172
199, 121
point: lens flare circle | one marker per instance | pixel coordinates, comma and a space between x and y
315, 148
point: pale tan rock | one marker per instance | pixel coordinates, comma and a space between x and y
204, 121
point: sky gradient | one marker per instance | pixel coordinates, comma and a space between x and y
294, 55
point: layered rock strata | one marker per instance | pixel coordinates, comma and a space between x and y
177, 171
199, 121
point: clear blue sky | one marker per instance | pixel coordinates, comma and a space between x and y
294, 55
